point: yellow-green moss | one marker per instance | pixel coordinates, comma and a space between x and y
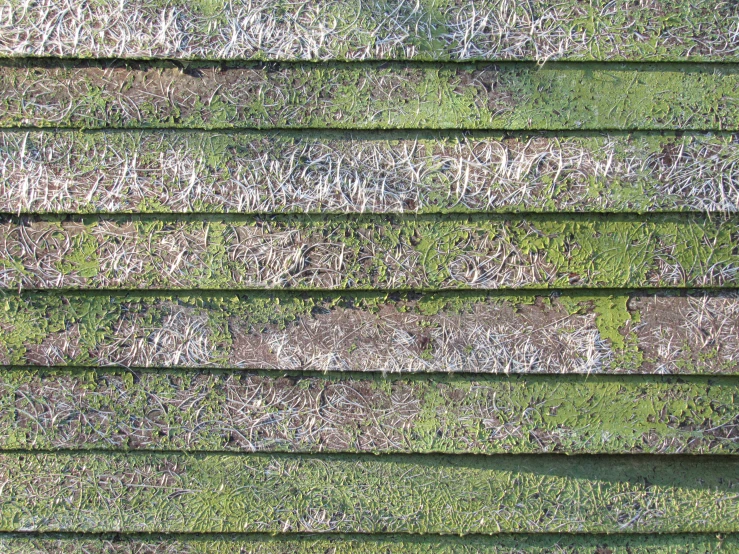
557, 96
380, 252
256, 543
377, 29
367, 494
481, 414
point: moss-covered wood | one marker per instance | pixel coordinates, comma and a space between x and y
504, 224
556, 96
399, 252
374, 29
568, 332
415, 494
319, 172
341, 543
236, 411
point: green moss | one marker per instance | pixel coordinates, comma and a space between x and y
79, 329
645, 172
82, 258
440, 252
431, 96
615, 322
612, 315
382, 544
26, 325
369, 494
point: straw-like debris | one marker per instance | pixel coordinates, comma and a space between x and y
559, 333
47, 172
352, 30
370, 96
234, 411
404, 252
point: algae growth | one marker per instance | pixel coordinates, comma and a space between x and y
366, 493
560, 332
557, 96
447, 251
175, 410
434, 30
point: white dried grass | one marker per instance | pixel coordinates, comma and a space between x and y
63, 172
310, 30
494, 338
695, 329
267, 255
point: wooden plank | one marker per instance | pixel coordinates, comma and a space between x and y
371, 96
559, 332
265, 172
51, 543
412, 494
349, 29
403, 252
235, 411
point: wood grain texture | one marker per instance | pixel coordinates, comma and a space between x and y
374, 29
512, 96
415, 494
398, 172
613, 332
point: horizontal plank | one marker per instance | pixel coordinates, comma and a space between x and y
260, 172
371, 96
138, 492
340, 543
234, 411
402, 252
349, 29
481, 333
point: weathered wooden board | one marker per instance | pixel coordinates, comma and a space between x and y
299, 172
340, 543
374, 29
614, 332
347, 493
340, 252
235, 411
372, 96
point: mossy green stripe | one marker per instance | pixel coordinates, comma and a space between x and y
254, 543
235, 411
371, 96
561, 332
374, 29
327, 171
400, 252
369, 494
